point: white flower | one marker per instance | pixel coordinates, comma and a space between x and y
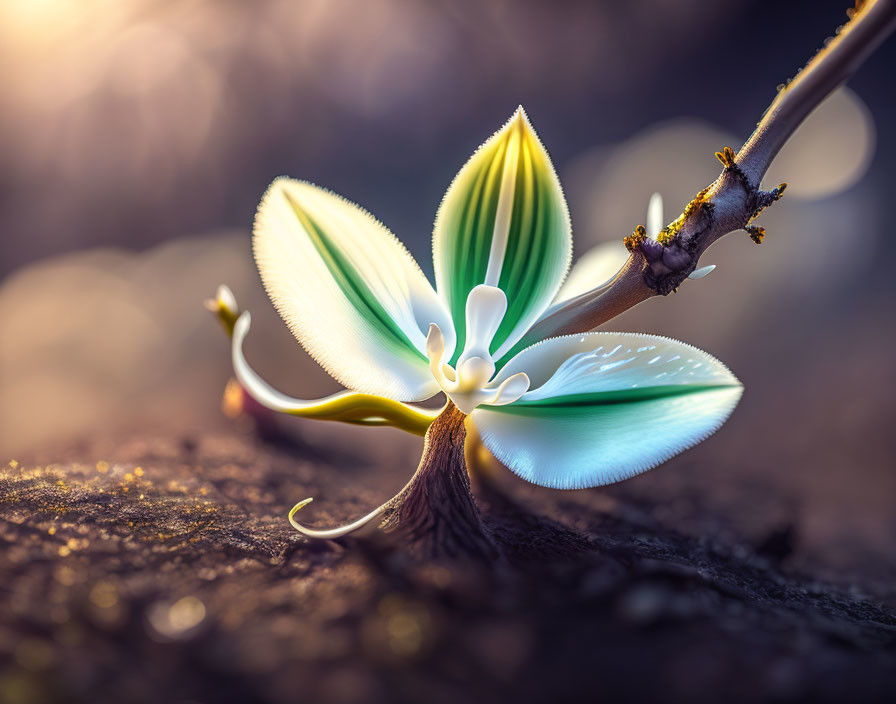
567, 412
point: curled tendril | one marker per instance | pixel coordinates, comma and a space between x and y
333, 533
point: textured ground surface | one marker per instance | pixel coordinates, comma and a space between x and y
164, 571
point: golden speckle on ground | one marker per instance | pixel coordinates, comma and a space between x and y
138, 471
64, 551
129, 477
52, 530
13, 463
102, 467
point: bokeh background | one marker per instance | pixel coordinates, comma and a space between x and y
136, 138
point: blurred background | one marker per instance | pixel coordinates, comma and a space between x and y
136, 138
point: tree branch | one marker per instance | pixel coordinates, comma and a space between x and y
830, 67
733, 200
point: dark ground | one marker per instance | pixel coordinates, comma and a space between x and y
181, 581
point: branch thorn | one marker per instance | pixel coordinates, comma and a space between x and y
756, 233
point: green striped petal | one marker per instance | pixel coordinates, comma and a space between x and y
348, 289
605, 406
503, 222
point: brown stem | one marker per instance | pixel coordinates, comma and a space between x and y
830, 67
732, 201
436, 511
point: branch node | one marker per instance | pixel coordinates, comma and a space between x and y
761, 200
727, 157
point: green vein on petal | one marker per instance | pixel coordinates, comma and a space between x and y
539, 239
587, 401
354, 287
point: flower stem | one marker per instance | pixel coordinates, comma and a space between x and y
436, 511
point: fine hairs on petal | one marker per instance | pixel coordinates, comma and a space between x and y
557, 475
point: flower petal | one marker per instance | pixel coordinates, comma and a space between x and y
654, 216
606, 406
348, 289
346, 406
702, 271
593, 269
503, 222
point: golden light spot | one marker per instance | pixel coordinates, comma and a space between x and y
831, 151
104, 595
138, 471
13, 463
406, 625
65, 576
177, 619
52, 530
102, 467
129, 477
64, 551
72, 543
232, 400
405, 634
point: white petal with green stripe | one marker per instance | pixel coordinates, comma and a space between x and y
503, 222
349, 290
606, 406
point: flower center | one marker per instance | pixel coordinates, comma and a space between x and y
469, 383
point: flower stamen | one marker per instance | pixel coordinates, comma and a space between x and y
468, 384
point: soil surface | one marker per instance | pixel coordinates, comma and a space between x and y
164, 571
